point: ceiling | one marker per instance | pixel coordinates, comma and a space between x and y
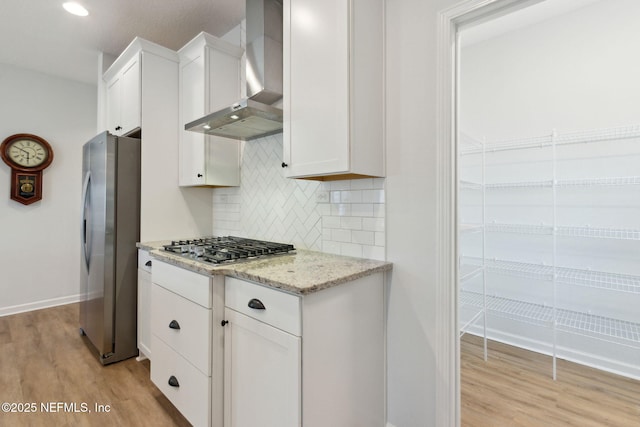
40, 35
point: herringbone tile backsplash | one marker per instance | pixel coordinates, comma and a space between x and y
344, 217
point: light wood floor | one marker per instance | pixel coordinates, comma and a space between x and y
43, 359
514, 388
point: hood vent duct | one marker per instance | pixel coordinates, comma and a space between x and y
254, 117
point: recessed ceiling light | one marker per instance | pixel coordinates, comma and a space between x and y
75, 8
234, 117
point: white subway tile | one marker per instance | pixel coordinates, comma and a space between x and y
380, 238
351, 249
362, 209
363, 237
335, 196
341, 235
378, 183
340, 185
323, 209
362, 184
373, 196
350, 196
373, 252
330, 222
373, 224
379, 210
341, 209
351, 223
331, 247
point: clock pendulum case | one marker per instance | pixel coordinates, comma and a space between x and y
27, 155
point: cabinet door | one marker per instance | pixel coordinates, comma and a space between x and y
316, 86
262, 377
144, 319
131, 96
113, 105
192, 102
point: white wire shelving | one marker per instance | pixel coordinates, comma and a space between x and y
549, 315
564, 275
564, 231
583, 137
599, 327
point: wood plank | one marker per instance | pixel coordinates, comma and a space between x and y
514, 387
43, 359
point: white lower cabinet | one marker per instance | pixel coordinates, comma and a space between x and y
315, 360
182, 383
262, 374
240, 354
144, 305
186, 335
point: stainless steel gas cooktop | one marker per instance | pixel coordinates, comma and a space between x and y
217, 250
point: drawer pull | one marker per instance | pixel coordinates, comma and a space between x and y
148, 263
224, 322
173, 381
256, 304
174, 324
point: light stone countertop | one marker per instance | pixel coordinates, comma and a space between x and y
302, 272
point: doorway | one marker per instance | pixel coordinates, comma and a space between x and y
547, 200
533, 203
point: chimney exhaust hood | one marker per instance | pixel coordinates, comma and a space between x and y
254, 117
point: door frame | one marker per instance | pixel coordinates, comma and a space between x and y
450, 21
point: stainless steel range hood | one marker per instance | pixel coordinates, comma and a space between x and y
254, 117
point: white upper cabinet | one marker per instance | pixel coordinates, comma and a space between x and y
209, 81
124, 85
123, 98
333, 89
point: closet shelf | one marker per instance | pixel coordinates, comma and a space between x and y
520, 228
612, 330
511, 309
607, 181
521, 184
470, 228
599, 233
564, 275
564, 231
604, 328
470, 185
595, 135
613, 181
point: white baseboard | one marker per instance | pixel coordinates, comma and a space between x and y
37, 305
389, 424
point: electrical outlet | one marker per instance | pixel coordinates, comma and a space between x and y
322, 196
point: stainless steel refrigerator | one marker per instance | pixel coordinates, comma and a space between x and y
110, 230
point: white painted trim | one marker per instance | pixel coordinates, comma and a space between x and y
37, 305
448, 343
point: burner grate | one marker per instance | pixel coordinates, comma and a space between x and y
226, 249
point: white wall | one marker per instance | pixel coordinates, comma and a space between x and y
573, 72
410, 201
40, 243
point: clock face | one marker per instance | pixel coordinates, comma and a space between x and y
27, 153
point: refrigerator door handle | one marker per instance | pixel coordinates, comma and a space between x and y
85, 201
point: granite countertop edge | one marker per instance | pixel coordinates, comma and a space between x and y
302, 272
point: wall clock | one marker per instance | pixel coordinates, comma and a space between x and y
27, 155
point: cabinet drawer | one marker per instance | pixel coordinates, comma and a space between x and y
193, 286
144, 261
182, 325
281, 309
192, 397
